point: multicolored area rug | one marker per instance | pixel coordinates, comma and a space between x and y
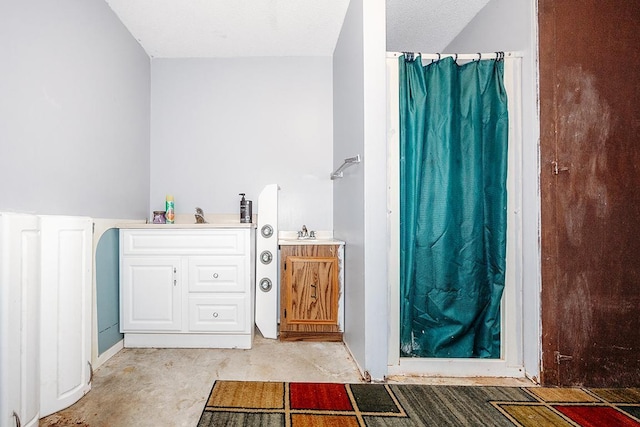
237, 403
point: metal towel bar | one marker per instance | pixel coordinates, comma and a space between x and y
347, 162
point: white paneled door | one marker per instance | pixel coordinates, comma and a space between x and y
19, 320
65, 311
267, 266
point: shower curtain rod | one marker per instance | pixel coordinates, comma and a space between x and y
462, 56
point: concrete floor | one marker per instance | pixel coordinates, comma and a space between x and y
169, 387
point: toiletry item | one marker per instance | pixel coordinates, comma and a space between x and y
200, 216
159, 218
170, 209
245, 210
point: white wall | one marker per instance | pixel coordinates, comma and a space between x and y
376, 236
511, 25
220, 127
360, 216
74, 111
348, 192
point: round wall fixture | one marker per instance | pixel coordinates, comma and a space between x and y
266, 257
265, 284
266, 231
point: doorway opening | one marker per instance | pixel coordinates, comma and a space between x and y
510, 363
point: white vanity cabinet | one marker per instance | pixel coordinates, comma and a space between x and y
187, 287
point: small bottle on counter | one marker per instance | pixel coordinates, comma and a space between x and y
170, 213
245, 210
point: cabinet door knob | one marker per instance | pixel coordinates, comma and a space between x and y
215, 275
215, 314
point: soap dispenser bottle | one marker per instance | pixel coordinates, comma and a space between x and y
245, 210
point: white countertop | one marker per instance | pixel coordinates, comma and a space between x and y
183, 221
290, 238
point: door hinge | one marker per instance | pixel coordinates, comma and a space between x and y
93, 228
557, 169
561, 357
285, 313
285, 266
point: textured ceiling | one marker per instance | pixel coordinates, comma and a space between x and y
427, 25
234, 28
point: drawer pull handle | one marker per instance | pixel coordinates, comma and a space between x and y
314, 294
215, 275
215, 314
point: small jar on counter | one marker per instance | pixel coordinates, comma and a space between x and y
159, 217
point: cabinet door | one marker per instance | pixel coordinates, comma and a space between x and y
20, 325
150, 294
65, 342
311, 287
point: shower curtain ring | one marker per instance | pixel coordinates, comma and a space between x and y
479, 56
455, 58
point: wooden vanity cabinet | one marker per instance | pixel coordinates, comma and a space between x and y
310, 293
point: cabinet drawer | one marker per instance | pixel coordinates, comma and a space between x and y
185, 241
218, 314
217, 274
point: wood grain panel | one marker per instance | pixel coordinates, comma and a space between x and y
590, 197
309, 293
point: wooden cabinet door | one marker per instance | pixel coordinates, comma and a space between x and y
311, 291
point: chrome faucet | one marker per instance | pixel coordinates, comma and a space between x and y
306, 234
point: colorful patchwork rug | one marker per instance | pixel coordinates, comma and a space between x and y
238, 403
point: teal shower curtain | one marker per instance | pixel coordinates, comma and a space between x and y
453, 200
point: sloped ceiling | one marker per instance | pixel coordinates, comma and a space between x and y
233, 28
236, 28
427, 25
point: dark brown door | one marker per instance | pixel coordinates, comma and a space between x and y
590, 190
